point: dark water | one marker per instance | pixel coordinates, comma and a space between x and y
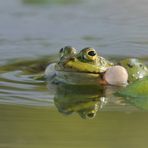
36, 114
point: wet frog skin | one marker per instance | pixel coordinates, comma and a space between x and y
87, 60
135, 68
73, 67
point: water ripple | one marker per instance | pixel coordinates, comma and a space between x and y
16, 88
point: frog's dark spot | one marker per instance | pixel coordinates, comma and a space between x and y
70, 66
92, 53
130, 66
102, 75
94, 99
141, 65
90, 115
72, 59
83, 57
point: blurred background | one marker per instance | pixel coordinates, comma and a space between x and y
35, 28
39, 27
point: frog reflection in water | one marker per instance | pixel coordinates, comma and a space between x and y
82, 100
87, 101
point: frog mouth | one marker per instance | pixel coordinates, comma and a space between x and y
77, 78
77, 74
71, 70
81, 67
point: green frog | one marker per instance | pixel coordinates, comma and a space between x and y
87, 67
87, 60
84, 67
135, 68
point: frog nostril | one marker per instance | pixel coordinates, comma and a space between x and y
92, 53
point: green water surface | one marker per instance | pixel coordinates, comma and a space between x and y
37, 114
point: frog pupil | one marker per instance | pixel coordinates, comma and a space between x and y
91, 53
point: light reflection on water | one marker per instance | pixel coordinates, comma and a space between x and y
116, 27
18, 89
29, 114
33, 116
25, 87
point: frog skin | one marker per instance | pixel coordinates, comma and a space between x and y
135, 68
84, 67
86, 60
66, 53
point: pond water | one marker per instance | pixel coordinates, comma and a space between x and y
34, 113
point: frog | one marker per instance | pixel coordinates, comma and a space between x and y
87, 60
83, 67
135, 67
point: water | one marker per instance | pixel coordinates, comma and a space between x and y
36, 114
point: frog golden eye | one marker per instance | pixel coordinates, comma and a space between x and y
91, 53
88, 54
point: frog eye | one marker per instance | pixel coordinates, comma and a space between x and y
67, 51
89, 54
